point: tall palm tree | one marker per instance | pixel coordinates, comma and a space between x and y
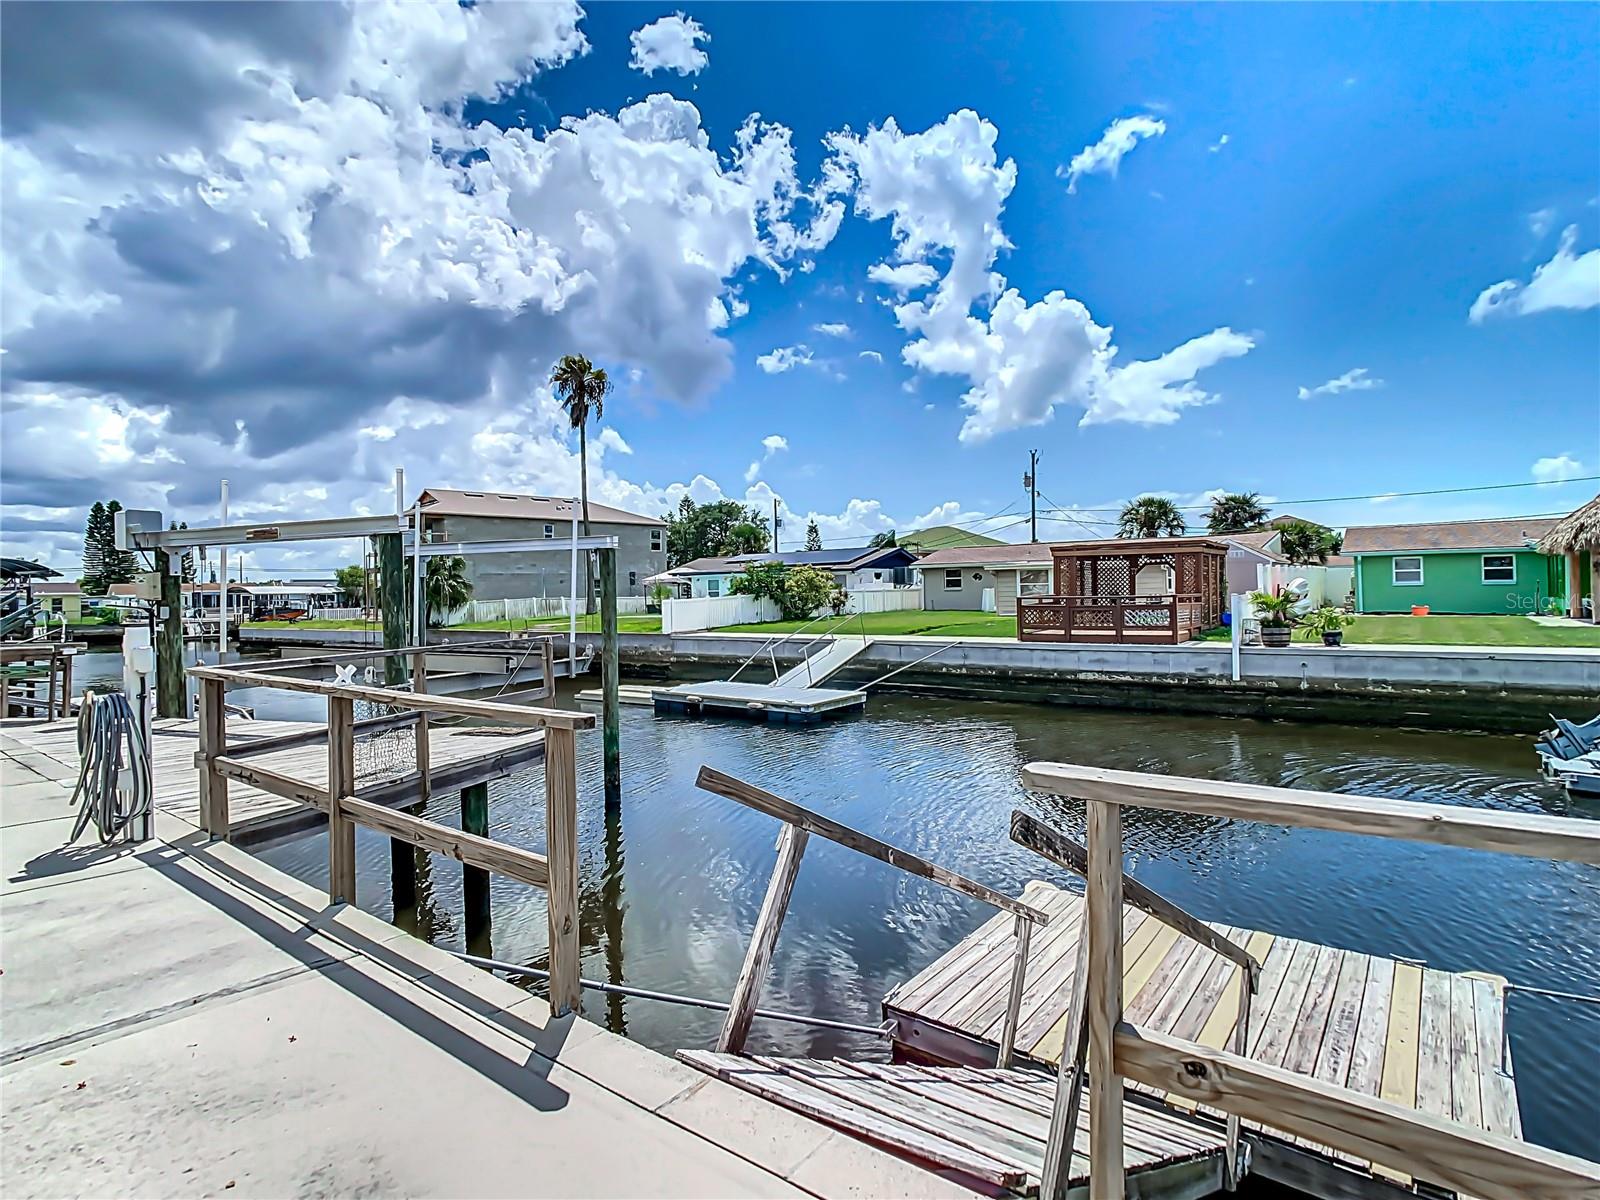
1150, 516
1236, 512
445, 586
581, 387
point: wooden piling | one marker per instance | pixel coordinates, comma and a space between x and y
1103, 998
392, 601
561, 848
213, 745
474, 880
753, 973
610, 678
170, 698
341, 783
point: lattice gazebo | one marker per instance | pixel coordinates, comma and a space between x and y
1154, 590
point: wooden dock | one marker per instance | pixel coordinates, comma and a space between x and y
759, 701
1425, 1039
459, 756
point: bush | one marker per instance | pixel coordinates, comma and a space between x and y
797, 591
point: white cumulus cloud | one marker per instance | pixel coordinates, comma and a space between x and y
1357, 379
1568, 280
670, 44
784, 358
1557, 469
1103, 157
837, 329
772, 444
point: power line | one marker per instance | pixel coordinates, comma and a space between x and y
1486, 487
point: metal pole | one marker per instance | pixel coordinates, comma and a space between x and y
610, 678
572, 608
1236, 629
222, 583
419, 624
775, 520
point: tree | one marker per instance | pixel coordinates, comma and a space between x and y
813, 536
352, 581
1236, 512
94, 544
581, 387
1150, 516
1304, 542
703, 530
880, 540
445, 586
747, 537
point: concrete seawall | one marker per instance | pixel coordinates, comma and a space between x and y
1481, 687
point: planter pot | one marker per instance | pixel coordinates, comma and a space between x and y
1275, 635
1419, 610
1333, 637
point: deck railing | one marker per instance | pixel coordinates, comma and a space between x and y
1469, 1161
556, 871
798, 826
1109, 618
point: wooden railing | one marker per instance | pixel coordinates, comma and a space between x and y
1108, 618
556, 870
798, 826
1469, 1161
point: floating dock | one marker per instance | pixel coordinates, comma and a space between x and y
459, 756
1418, 1037
795, 695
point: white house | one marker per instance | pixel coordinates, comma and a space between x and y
854, 568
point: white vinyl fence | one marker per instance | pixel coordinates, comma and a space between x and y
688, 616
531, 608
1325, 585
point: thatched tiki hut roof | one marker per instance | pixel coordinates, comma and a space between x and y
1578, 530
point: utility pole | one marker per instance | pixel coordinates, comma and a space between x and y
1030, 480
776, 521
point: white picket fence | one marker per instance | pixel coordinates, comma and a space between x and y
531, 608
689, 616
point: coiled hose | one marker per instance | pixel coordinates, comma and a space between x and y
108, 744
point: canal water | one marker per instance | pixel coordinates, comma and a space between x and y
671, 886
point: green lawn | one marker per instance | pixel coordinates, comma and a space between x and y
1453, 631
897, 624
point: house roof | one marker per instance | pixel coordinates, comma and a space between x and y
840, 558
1260, 541
1500, 533
58, 589
1025, 554
448, 502
1116, 547
1578, 530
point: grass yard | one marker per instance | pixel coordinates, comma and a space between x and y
1453, 631
897, 624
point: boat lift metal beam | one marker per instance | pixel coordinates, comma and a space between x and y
511, 546
331, 528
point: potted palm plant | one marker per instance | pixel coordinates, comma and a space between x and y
1275, 611
1329, 623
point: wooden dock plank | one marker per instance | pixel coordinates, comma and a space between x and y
1418, 1037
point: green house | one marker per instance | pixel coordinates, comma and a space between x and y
1456, 567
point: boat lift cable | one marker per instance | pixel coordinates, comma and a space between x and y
622, 989
112, 752
912, 663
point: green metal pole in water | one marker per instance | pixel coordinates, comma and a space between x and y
610, 678
169, 641
475, 880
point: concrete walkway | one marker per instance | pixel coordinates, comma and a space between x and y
182, 1020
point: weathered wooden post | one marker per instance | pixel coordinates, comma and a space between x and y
392, 601
474, 880
213, 743
610, 678
753, 972
561, 850
169, 641
341, 783
1103, 998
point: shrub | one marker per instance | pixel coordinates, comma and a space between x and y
797, 591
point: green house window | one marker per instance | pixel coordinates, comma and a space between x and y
1499, 568
1408, 571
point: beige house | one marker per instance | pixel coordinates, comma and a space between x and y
959, 577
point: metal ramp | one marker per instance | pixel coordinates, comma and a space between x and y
990, 1125
816, 669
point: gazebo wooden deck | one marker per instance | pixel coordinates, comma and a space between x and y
1153, 590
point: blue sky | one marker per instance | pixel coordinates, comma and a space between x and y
1331, 191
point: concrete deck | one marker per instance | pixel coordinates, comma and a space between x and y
182, 1020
